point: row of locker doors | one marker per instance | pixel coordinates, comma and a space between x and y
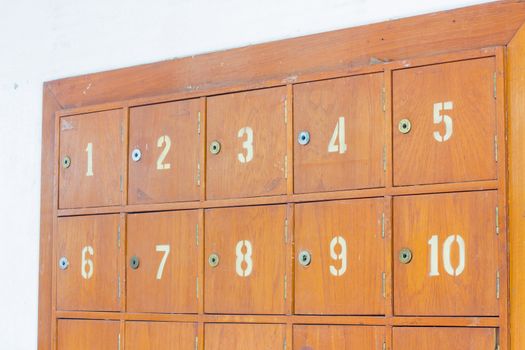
443, 131
445, 258
105, 335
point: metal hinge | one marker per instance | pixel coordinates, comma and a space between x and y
197, 234
383, 98
496, 148
383, 225
198, 173
118, 286
497, 284
121, 133
119, 341
286, 166
384, 158
284, 343
384, 345
285, 286
497, 220
197, 287
286, 230
286, 111
199, 123
196, 343
121, 184
495, 84
118, 236
383, 284
496, 339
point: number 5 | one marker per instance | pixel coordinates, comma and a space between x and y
438, 119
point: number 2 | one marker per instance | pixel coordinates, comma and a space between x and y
247, 144
338, 240
166, 249
160, 161
339, 133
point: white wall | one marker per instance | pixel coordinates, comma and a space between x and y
43, 40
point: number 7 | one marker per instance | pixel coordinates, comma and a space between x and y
166, 249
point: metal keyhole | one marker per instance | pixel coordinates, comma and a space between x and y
405, 126
215, 147
405, 256
134, 262
136, 155
213, 260
63, 263
305, 258
303, 138
66, 162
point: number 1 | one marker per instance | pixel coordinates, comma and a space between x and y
89, 150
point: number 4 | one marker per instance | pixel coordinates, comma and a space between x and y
339, 133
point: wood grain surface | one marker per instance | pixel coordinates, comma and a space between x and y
88, 335
160, 335
434, 338
330, 337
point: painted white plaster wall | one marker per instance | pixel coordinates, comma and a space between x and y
48, 39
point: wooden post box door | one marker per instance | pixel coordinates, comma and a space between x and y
245, 267
87, 273
162, 262
88, 335
314, 337
445, 123
160, 335
439, 338
164, 152
244, 336
246, 135
340, 131
90, 160
446, 255
339, 252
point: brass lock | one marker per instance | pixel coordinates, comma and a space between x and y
405, 256
404, 126
213, 260
215, 147
66, 162
134, 262
136, 155
63, 263
305, 258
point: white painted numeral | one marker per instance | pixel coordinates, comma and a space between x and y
87, 263
247, 144
447, 246
160, 161
342, 256
339, 133
244, 257
443, 118
89, 150
165, 248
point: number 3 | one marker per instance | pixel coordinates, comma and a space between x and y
247, 144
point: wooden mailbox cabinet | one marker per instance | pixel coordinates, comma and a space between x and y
360, 189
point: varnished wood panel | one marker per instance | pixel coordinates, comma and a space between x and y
93, 144
238, 286
348, 254
321, 337
160, 335
251, 129
346, 124
466, 219
244, 336
430, 97
444, 338
90, 282
154, 238
167, 136
88, 335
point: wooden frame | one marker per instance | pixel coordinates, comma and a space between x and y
452, 35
